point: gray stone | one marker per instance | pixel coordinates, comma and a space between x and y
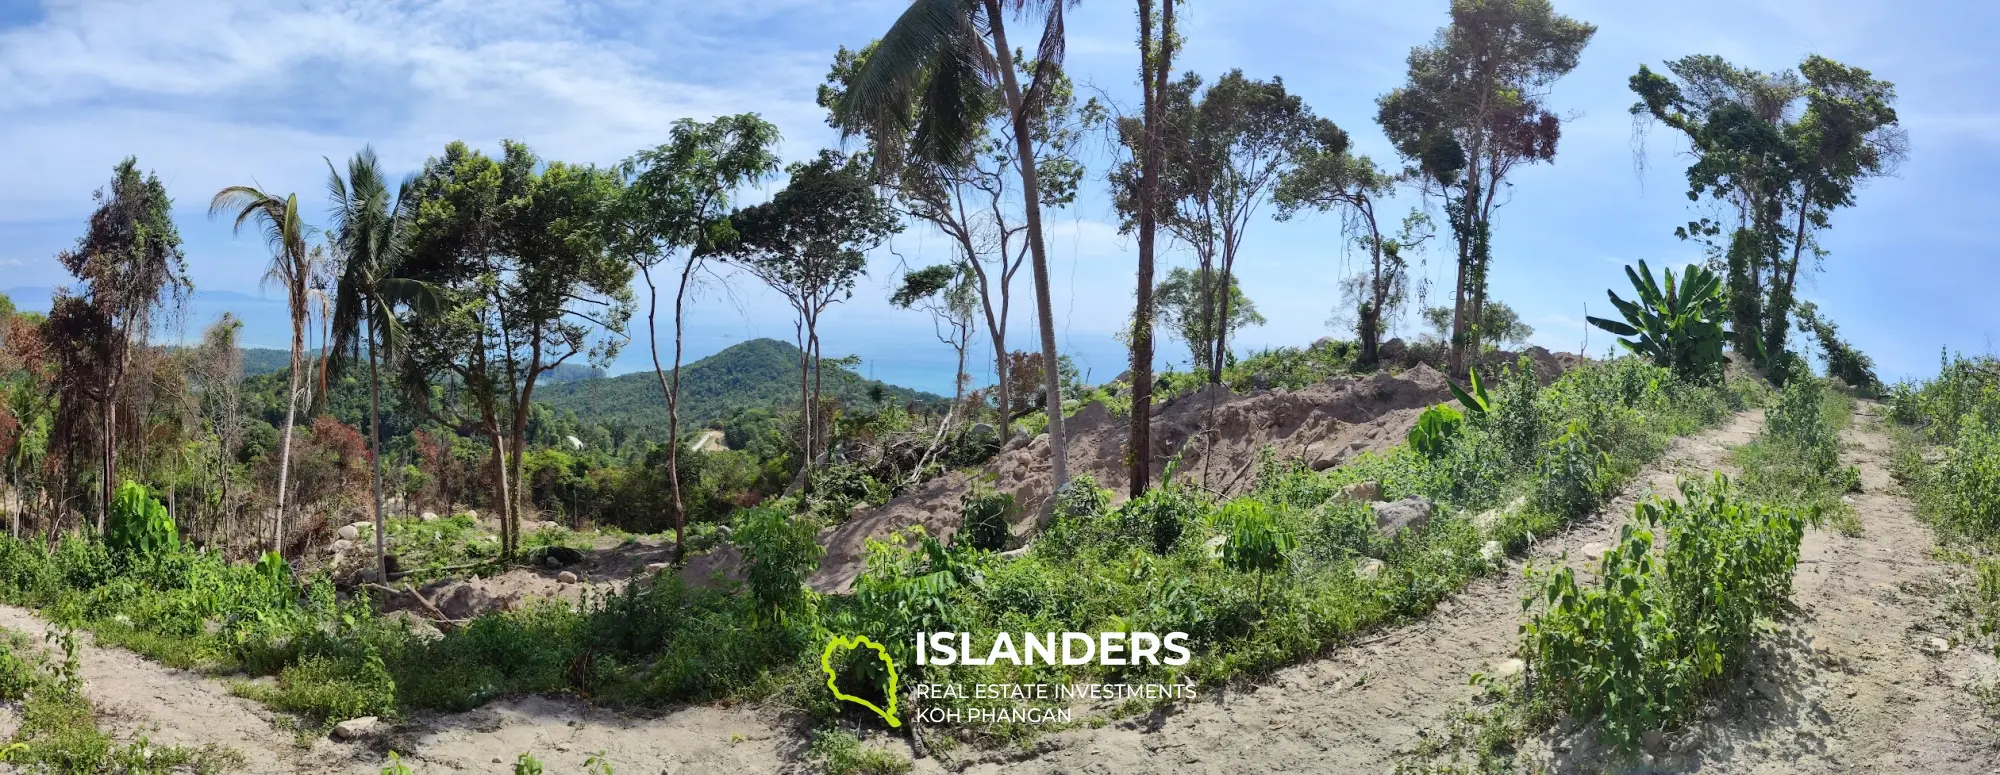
355, 729
1260, 382
1042, 439
566, 577
416, 625
1363, 492
430, 516
552, 562
342, 546
1653, 739
1393, 517
471, 513
657, 567
459, 600
348, 533
1368, 570
982, 429
1322, 343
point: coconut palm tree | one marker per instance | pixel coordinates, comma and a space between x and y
366, 234
291, 267
955, 50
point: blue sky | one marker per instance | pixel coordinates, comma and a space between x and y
211, 93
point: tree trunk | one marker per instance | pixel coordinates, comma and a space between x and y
375, 444
285, 452
1153, 77
674, 417
1031, 195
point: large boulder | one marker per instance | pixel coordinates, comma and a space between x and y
462, 601
1393, 517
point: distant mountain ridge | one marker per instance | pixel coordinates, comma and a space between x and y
760, 373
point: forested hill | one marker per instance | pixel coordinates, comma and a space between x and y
265, 360
760, 373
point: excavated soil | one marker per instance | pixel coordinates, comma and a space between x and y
1217, 434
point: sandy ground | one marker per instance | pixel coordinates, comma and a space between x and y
1848, 684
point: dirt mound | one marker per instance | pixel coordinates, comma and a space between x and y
1217, 434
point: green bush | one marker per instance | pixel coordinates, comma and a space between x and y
1434, 430
1572, 478
1634, 651
986, 516
779, 552
139, 525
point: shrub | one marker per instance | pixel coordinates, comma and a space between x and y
1572, 478
1434, 430
986, 516
1635, 650
1678, 329
139, 525
779, 551
1252, 542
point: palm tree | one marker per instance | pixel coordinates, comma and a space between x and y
955, 49
366, 235
291, 267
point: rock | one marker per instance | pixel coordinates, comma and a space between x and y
355, 729
1322, 343
1092, 415
566, 577
1393, 517
1042, 439
1364, 492
418, 627
1368, 570
1937, 645
1392, 351
551, 562
460, 600
1594, 551
1492, 552
1489, 519
472, 514
430, 516
1260, 382
1653, 739
982, 429
1019, 440
348, 533
1508, 669
342, 546
658, 567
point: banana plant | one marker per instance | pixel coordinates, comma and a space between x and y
1476, 403
1677, 325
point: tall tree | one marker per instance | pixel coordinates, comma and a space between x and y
953, 49
128, 259
810, 243
676, 201
1330, 178
1186, 308
365, 231
1473, 110
964, 191
946, 292
519, 253
1156, 63
1781, 167
1230, 146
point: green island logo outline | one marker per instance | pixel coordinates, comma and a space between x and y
826, 666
